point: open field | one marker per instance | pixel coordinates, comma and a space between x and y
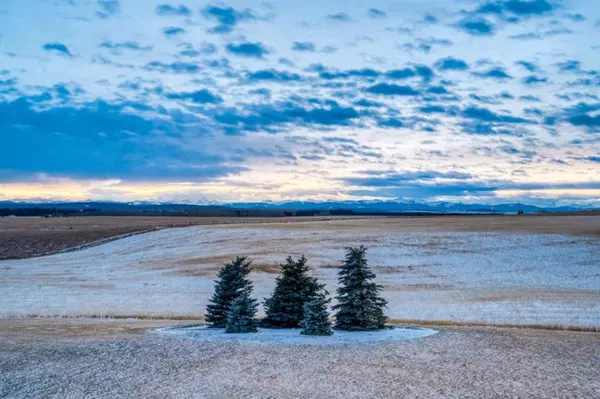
28, 237
123, 359
497, 270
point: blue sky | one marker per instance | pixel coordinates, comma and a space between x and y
473, 100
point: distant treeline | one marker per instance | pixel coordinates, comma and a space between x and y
23, 212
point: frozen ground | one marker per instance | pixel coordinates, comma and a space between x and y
477, 363
273, 336
478, 277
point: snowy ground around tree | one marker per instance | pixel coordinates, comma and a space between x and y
290, 336
475, 277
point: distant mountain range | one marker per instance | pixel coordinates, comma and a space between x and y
355, 206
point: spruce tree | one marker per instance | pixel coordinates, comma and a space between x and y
231, 282
359, 305
241, 316
316, 317
293, 288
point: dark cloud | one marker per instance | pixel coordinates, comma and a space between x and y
517, 8
247, 49
427, 44
376, 13
227, 17
497, 73
450, 64
174, 67
304, 46
392, 90
58, 48
586, 120
476, 26
533, 80
173, 31
274, 75
202, 96
108, 8
390, 122
479, 128
101, 140
274, 117
530, 98
128, 45
339, 17
169, 10
205, 48
487, 115
399, 179
530, 66
430, 19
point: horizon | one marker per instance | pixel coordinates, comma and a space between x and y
475, 102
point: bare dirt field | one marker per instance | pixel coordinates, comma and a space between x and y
126, 359
28, 237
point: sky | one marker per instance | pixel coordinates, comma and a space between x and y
476, 101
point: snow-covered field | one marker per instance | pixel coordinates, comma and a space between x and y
484, 277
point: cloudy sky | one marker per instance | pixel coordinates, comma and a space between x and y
468, 100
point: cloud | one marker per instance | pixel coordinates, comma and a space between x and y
203, 48
202, 96
128, 45
391, 122
339, 17
274, 75
176, 67
173, 31
427, 44
497, 73
533, 80
392, 90
487, 115
227, 17
476, 27
247, 49
586, 120
521, 8
108, 8
276, 116
451, 64
530, 66
58, 48
376, 13
101, 140
304, 46
430, 19
169, 10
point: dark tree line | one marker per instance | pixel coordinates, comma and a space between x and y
298, 299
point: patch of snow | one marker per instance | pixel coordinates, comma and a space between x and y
290, 336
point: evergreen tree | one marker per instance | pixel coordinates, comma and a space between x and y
359, 305
316, 317
231, 282
293, 288
241, 317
